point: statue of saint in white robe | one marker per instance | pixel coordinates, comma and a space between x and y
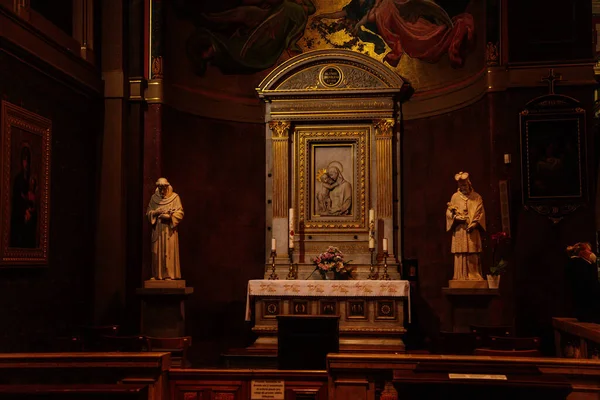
465, 216
164, 214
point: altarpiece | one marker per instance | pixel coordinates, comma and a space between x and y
333, 179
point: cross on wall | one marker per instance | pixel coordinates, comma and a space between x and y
551, 79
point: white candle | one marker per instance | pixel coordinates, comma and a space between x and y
385, 245
371, 243
291, 229
273, 244
371, 215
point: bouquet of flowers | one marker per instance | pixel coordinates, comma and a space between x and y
333, 260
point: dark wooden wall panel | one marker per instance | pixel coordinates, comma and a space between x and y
41, 303
218, 169
539, 30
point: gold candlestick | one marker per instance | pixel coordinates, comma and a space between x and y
291, 274
372, 274
273, 275
385, 276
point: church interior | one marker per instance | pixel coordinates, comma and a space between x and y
299, 199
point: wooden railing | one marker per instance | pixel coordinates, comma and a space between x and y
84, 375
369, 376
574, 339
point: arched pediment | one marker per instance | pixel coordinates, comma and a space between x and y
330, 72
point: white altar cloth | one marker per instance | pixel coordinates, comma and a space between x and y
327, 288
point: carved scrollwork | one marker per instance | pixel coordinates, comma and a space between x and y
353, 78
492, 54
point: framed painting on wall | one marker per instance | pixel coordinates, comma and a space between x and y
553, 157
332, 177
24, 204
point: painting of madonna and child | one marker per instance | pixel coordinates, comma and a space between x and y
248, 36
333, 194
26, 170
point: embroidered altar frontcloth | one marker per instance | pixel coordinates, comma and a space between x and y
327, 288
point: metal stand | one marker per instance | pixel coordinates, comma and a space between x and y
385, 276
372, 274
292, 274
273, 275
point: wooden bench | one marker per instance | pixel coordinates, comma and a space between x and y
96, 371
368, 376
79, 392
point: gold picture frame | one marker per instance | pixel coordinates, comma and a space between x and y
25, 201
332, 177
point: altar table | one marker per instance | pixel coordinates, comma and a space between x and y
371, 311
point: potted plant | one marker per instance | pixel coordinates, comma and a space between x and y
497, 268
331, 264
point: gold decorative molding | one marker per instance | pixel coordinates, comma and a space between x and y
357, 136
280, 145
492, 54
154, 92
383, 147
327, 109
301, 73
157, 67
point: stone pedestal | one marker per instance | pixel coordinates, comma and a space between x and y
163, 307
464, 284
470, 306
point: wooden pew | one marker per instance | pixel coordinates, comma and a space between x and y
72, 392
98, 371
368, 376
237, 384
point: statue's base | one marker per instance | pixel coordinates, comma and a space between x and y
166, 283
464, 284
163, 309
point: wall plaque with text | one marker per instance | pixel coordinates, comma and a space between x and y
267, 390
331, 76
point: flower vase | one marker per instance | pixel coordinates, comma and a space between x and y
338, 276
493, 281
330, 275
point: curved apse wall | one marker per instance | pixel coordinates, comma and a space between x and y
217, 53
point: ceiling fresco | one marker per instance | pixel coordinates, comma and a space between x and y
250, 36
218, 52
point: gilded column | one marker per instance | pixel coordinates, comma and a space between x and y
383, 145
280, 139
83, 27
152, 141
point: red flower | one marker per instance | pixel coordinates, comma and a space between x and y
499, 236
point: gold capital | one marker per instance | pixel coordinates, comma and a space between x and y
280, 129
384, 126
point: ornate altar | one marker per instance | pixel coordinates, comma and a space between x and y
333, 175
371, 311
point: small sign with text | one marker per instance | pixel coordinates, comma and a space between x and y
267, 390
